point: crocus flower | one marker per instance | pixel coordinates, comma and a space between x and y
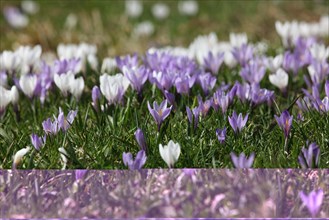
15, 18
221, 135
63, 155
279, 79
237, 122
134, 8
66, 65
28, 84
139, 135
170, 153
137, 76
319, 52
193, 115
253, 71
213, 62
19, 156
243, 54
242, 161
307, 156
37, 141
274, 63
159, 113
62, 82
189, 7
9, 61
50, 127
113, 87
95, 96
80, 174
285, 122
65, 122
137, 163
5, 99
160, 11
327, 88
207, 82
313, 201
108, 65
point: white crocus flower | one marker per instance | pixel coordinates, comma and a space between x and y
9, 61
19, 156
5, 99
319, 52
170, 153
145, 28
113, 87
229, 59
108, 65
28, 83
30, 56
279, 79
160, 11
237, 40
63, 82
188, 7
76, 87
63, 154
134, 8
14, 95
274, 63
29, 6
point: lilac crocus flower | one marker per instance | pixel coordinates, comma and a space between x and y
326, 88
139, 135
237, 122
253, 72
205, 106
207, 82
66, 65
213, 62
50, 127
243, 54
134, 164
170, 97
307, 155
242, 161
159, 113
80, 174
65, 123
193, 115
183, 83
313, 201
285, 122
221, 135
128, 61
95, 96
37, 141
137, 76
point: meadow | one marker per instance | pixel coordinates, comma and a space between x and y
86, 93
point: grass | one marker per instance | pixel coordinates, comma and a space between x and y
94, 142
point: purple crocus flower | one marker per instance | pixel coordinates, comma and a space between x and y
313, 201
221, 135
139, 135
170, 97
213, 62
159, 113
253, 72
134, 164
66, 65
95, 96
243, 54
80, 174
242, 161
193, 116
37, 141
137, 76
285, 122
163, 80
183, 83
50, 127
207, 82
326, 88
205, 106
237, 122
65, 123
128, 61
243, 92
307, 155
259, 95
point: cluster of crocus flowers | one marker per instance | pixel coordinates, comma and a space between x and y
68, 83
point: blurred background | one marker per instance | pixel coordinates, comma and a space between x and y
119, 27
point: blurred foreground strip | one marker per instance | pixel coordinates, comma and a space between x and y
163, 193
